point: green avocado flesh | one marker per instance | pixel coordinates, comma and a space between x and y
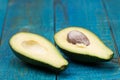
37, 50
82, 45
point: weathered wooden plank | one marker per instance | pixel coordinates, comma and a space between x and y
3, 9
89, 14
25, 15
112, 9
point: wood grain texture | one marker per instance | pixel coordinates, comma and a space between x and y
90, 15
3, 9
31, 16
113, 14
45, 17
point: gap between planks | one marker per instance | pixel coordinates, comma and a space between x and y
111, 31
4, 22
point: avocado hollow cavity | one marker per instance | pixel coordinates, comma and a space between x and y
34, 47
37, 50
78, 38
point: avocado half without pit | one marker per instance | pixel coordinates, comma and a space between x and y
37, 50
82, 45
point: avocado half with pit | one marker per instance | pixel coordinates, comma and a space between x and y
82, 45
37, 50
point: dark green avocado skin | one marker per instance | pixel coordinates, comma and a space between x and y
83, 58
37, 63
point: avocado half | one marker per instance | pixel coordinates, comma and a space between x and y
37, 50
82, 45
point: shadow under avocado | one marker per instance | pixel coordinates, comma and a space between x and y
17, 63
36, 65
86, 60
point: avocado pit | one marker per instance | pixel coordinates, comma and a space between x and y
78, 38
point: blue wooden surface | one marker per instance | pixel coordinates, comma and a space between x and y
113, 14
25, 15
3, 9
88, 14
47, 17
